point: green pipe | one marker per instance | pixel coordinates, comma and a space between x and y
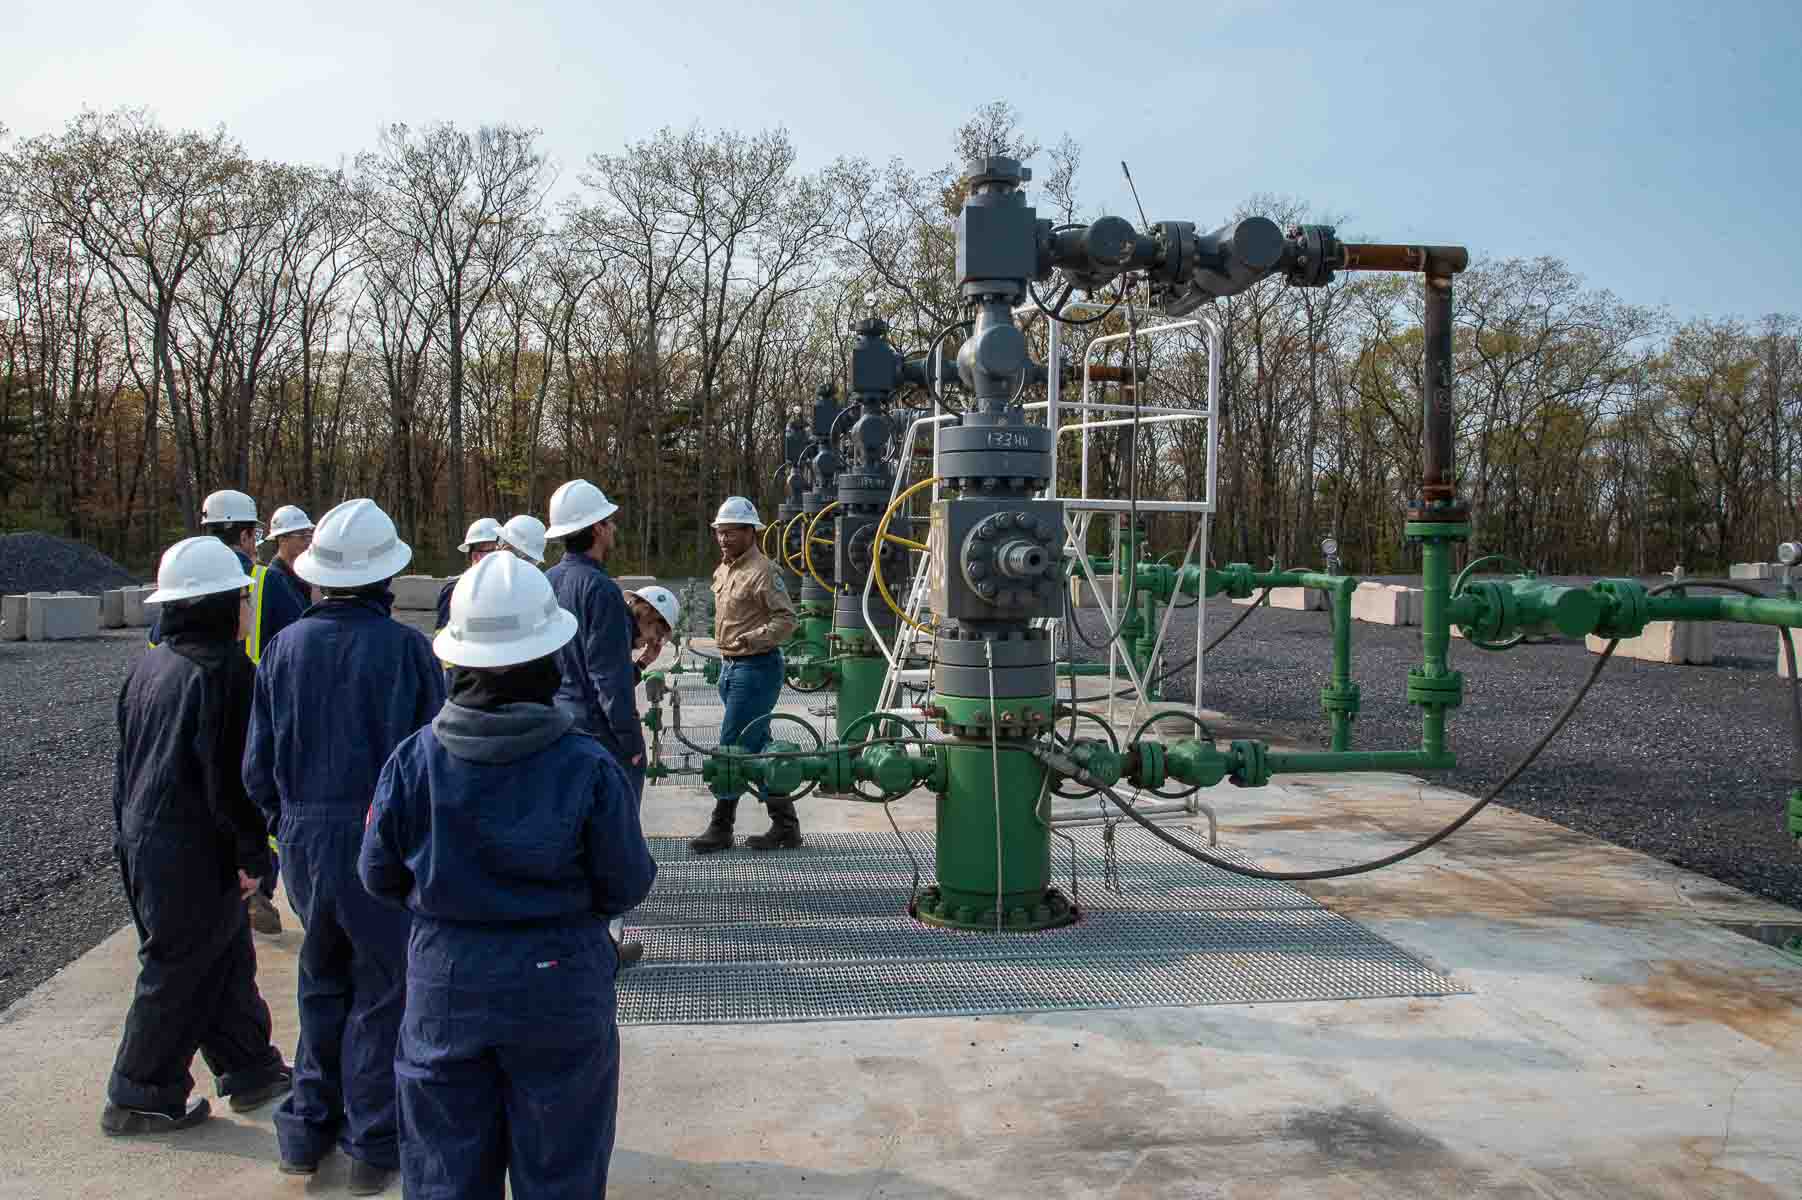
1290, 763
1435, 612
1744, 609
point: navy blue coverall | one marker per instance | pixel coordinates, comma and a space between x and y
184, 828
598, 672
335, 694
512, 838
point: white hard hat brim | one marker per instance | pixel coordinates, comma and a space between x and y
210, 588
459, 653
464, 547
583, 522
718, 524
310, 568
286, 530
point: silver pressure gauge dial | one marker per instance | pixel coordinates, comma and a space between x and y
1330, 547
1789, 553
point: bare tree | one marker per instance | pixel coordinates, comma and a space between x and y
467, 206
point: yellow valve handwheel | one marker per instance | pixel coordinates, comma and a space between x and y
882, 535
807, 541
788, 556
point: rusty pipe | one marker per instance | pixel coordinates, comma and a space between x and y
1424, 260
1438, 479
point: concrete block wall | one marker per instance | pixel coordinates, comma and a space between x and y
1755, 570
51, 618
417, 593
112, 609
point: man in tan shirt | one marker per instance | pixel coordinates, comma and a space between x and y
752, 617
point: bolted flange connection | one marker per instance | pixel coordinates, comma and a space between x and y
1052, 909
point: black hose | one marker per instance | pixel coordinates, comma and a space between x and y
1488, 797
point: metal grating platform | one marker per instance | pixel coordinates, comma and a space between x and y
823, 934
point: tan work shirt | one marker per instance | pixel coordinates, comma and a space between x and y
752, 613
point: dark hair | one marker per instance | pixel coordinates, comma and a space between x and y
579, 542
229, 534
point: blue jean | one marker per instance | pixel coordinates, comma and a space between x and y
749, 688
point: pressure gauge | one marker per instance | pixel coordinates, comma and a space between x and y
869, 301
1790, 553
1330, 547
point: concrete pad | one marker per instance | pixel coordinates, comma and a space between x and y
417, 593
112, 609
1617, 1041
12, 618
1384, 604
1298, 599
1756, 570
66, 615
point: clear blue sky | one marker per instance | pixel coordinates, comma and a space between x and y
1656, 146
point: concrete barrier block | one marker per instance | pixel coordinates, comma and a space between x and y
1298, 599
138, 615
417, 593
1699, 648
56, 618
112, 609
1662, 642
1755, 570
12, 618
1382, 604
1083, 596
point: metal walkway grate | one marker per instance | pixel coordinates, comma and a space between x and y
823, 934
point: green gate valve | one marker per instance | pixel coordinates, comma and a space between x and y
710, 671
891, 768
1100, 762
1235, 579
1189, 761
809, 672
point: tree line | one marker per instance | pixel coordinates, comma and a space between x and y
448, 324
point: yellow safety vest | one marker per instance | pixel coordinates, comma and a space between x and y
253, 641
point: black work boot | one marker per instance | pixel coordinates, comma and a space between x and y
719, 829
785, 829
130, 1122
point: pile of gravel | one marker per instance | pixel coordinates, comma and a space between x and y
39, 562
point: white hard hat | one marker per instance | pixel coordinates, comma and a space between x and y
502, 613
287, 519
661, 599
228, 508
353, 545
525, 533
482, 529
577, 505
737, 511
197, 566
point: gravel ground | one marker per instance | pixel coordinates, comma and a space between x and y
42, 563
1691, 765
59, 886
